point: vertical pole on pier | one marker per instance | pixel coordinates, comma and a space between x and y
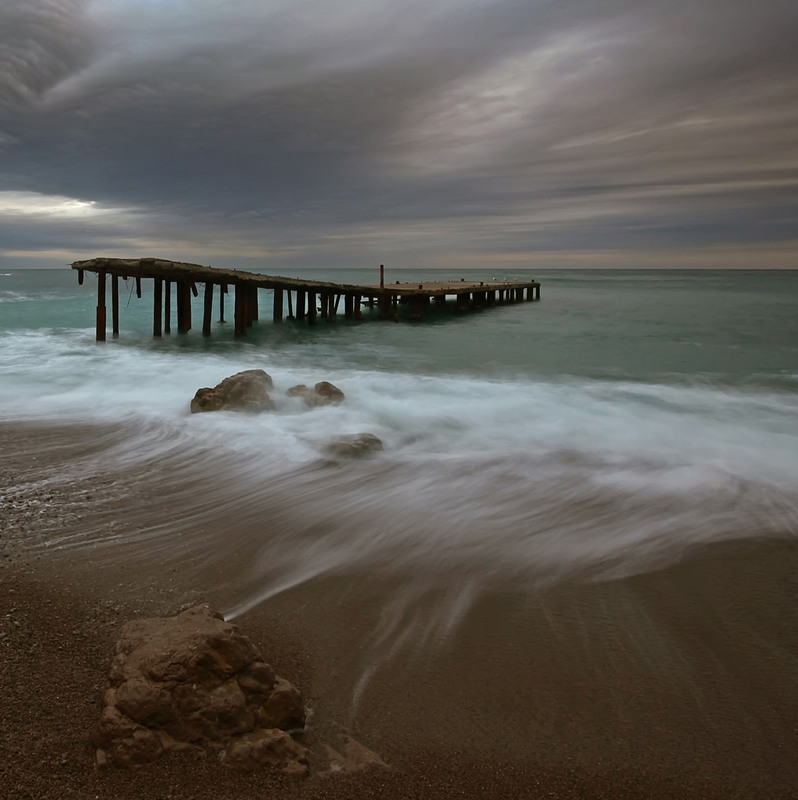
312, 307
157, 306
207, 311
80, 277
385, 302
167, 307
184, 306
417, 303
115, 306
349, 306
179, 305
440, 300
300, 303
240, 310
333, 305
252, 304
290, 305
356, 302
382, 276
325, 304
537, 292
277, 316
462, 302
222, 293
101, 306
138, 288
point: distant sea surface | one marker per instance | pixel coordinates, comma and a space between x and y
604, 430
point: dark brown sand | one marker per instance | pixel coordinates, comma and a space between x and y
682, 682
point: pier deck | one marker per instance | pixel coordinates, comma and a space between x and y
305, 299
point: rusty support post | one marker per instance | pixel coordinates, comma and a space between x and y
324, 302
382, 276
537, 292
312, 307
80, 277
184, 306
240, 310
115, 306
222, 293
252, 303
349, 306
138, 288
167, 307
290, 305
207, 311
301, 297
101, 306
157, 306
277, 316
357, 301
386, 305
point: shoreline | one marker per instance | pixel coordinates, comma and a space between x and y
677, 682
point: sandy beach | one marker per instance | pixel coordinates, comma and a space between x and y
680, 682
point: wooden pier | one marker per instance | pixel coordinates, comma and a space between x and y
176, 282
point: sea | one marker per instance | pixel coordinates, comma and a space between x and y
624, 419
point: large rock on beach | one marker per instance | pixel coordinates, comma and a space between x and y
244, 391
195, 682
322, 394
356, 445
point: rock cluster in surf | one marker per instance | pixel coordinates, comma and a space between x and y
194, 682
249, 391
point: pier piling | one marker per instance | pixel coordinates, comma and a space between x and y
157, 307
115, 306
101, 306
207, 311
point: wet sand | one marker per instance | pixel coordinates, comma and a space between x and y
681, 682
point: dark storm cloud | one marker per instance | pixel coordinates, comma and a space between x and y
319, 134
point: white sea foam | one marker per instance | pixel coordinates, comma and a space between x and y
493, 481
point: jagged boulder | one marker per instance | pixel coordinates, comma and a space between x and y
244, 391
194, 681
357, 445
322, 394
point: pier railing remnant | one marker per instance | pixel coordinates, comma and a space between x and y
306, 299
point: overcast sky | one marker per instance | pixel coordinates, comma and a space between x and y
440, 133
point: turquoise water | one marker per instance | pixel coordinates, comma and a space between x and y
735, 327
621, 420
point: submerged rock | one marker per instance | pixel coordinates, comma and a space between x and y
350, 756
194, 681
357, 445
244, 391
322, 394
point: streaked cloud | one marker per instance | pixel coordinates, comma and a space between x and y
290, 133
